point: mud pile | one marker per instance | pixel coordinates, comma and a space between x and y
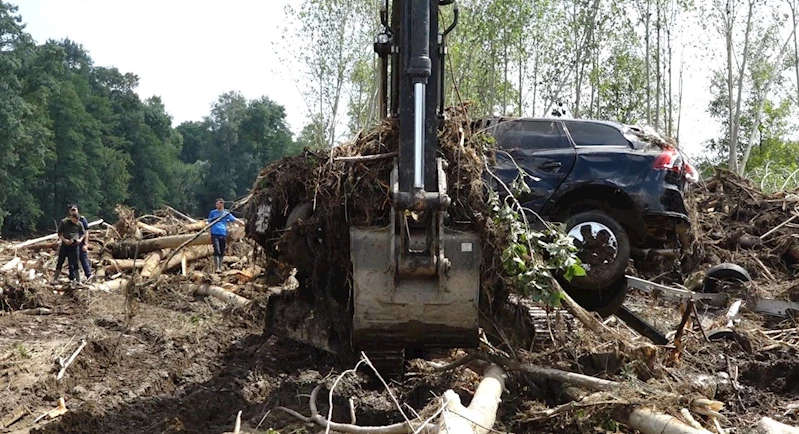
734, 221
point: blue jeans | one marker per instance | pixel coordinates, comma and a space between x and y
70, 253
84, 262
219, 242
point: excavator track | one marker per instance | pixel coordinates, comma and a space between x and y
390, 364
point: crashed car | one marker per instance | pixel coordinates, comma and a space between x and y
618, 189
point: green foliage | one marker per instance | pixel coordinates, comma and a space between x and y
532, 259
71, 131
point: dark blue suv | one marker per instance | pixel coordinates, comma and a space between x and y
620, 196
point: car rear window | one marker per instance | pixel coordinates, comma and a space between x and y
529, 135
589, 134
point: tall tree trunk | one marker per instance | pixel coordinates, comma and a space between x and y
505, 83
520, 102
646, 64
657, 65
679, 95
578, 51
733, 153
792, 4
670, 105
535, 82
775, 67
741, 74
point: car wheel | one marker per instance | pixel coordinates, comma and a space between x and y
302, 211
605, 301
603, 247
725, 272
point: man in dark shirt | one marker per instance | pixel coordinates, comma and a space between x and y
83, 251
71, 233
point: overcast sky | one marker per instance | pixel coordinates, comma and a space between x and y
191, 51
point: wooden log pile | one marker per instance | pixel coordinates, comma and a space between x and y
166, 243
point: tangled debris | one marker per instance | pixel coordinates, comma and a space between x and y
735, 222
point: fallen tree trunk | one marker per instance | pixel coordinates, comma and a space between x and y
649, 422
151, 229
151, 264
128, 249
222, 294
110, 286
12, 264
190, 254
768, 425
481, 414
24, 244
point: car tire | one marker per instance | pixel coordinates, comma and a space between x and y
605, 301
725, 272
604, 260
302, 211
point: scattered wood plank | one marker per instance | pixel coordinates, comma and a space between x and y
12, 264
69, 362
12, 418
363, 158
34, 311
180, 214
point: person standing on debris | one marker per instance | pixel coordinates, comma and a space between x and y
83, 252
71, 233
219, 231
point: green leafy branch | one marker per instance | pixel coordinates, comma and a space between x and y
531, 258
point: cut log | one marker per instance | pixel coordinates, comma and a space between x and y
24, 244
222, 294
151, 264
127, 249
123, 265
190, 254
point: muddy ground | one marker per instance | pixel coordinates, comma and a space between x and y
164, 361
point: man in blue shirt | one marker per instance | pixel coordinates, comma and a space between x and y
219, 231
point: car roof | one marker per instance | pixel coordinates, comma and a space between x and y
614, 124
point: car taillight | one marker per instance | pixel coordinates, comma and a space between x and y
669, 160
691, 175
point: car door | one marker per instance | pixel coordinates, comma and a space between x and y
539, 148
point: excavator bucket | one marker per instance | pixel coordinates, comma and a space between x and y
439, 311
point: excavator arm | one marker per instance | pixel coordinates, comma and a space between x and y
416, 281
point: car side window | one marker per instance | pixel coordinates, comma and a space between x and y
530, 135
590, 134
